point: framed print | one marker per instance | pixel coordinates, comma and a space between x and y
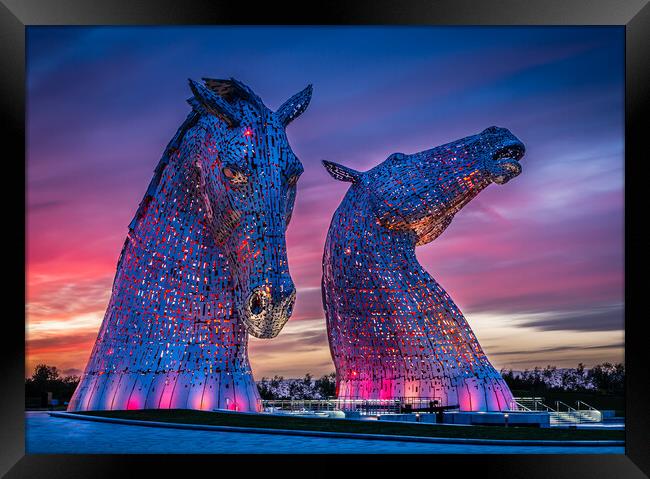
369, 235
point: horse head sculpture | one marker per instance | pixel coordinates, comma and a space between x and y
423, 191
248, 183
204, 262
393, 331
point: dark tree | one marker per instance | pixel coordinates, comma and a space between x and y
608, 377
264, 387
271, 388
46, 379
44, 373
326, 385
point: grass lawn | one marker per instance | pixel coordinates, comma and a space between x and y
354, 426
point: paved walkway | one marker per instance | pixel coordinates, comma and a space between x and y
51, 435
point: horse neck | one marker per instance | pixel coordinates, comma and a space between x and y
170, 250
363, 248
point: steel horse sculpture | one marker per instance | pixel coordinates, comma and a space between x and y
204, 262
393, 331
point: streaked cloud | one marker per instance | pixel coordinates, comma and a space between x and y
601, 318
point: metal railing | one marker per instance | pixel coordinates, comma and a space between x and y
588, 413
562, 414
298, 405
529, 404
565, 414
363, 406
517, 406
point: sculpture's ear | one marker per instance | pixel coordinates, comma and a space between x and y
294, 106
213, 103
340, 172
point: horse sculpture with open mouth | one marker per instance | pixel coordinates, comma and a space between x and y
204, 263
394, 333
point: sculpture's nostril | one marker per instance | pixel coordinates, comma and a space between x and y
256, 304
262, 299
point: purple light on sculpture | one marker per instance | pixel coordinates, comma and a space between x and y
204, 263
394, 332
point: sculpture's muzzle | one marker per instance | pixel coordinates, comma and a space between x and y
504, 164
268, 308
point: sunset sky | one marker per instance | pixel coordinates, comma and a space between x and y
535, 265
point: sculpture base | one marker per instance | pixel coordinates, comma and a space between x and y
173, 390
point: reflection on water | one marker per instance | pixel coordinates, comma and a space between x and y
51, 435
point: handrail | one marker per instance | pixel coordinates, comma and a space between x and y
591, 408
518, 406
591, 414
537, 403
544, 406
569, 408
571, 411
364, 406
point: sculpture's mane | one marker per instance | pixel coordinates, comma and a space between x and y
231, 91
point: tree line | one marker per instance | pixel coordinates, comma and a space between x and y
47, 379
605, 378
304, 388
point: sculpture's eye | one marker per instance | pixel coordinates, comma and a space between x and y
293, 179
234, 175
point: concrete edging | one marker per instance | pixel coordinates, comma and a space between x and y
346, 435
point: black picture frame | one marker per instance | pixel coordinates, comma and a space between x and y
16, 15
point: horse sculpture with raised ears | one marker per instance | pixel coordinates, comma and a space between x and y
204, 263
393, 331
